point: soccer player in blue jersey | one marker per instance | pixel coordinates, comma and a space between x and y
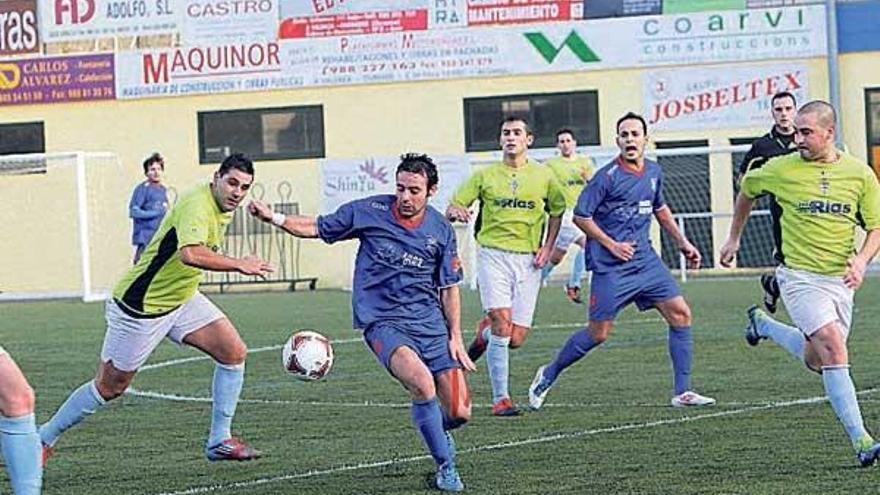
615, 211
406, 298
18, 431
148, 204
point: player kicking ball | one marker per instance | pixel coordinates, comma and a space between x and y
406, 299
615, 211
158, 298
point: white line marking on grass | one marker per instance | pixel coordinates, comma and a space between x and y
405, 405
500, 446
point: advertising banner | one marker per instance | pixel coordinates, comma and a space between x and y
202, 70
18, 27
228, 21
57, 79
600, 9
344, 180
66, 20
682, 6
720, 97
350, 24
481, 12
308, 8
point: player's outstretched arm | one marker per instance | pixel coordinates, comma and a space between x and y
621, 250
450, 298
297, 225
667, 221
741, 211
201, 256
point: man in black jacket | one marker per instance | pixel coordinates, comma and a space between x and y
779, 141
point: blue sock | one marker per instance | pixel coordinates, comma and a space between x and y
789, 338
842, 394
428, 420
82, 403
577, 269
576, 347
498, 359
225, 390
681, 352
545, 272
22, 452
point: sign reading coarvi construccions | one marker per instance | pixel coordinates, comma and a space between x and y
719, 96
692, 38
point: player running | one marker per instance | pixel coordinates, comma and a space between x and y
515, 196
824, 194
615, 211
573, 171
406, 299
158, 298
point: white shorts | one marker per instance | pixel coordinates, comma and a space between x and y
509, 280
129, 341
815, 300
568, 232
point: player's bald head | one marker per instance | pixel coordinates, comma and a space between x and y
822, 110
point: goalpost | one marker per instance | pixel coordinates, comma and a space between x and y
66, 226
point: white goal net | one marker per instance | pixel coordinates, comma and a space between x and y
66, 226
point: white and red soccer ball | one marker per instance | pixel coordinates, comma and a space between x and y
307, 355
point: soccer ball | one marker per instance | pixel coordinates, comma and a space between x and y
307, 355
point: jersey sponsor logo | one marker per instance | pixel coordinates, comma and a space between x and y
407, 259
818, 206
645, 207
515, 203
575, 182
379, 206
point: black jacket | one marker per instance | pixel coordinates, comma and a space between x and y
764, 148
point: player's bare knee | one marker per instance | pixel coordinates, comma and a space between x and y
19, 404
517, 340
501, 324
110, 389
233, 354
599, 333
421, 389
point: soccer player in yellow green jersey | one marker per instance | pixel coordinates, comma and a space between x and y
573, 171
158, 298
515, 196
824, 194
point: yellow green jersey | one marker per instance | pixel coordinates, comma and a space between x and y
160, 281
572, 174
513, 204
822, 203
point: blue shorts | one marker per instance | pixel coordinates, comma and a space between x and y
383, 338
646, 285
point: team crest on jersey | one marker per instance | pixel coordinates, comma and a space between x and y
653, 184
824, 183
514, 185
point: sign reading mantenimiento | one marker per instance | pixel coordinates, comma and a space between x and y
701, 37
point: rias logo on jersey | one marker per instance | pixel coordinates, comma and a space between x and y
515, 203
818, 206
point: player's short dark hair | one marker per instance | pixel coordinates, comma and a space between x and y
419, 163
783, 94
238, 162
823, 110
632, 116
154, 158
518, 118
565, 130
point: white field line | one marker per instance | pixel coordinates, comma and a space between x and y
174, 362
500, 446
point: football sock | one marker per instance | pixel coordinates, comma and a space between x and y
83, 402
577, 269
225, 390
576, 347
842, 394
21, 452
428, 420
789, 338
681, 352
498, 359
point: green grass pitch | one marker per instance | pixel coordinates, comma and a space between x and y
606, 426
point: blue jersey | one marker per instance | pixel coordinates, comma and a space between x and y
146, 208
622, 200
400, 268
